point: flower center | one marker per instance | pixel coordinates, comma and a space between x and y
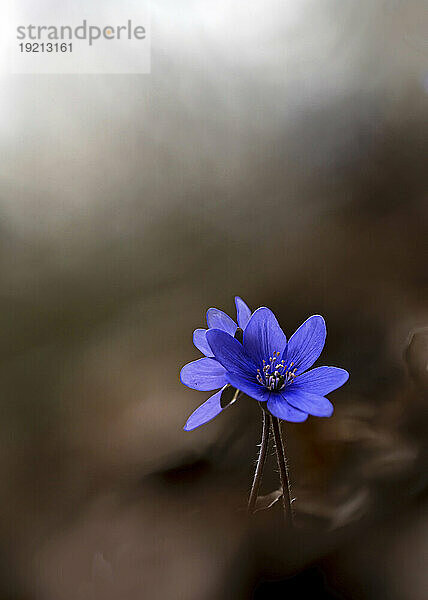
276, 375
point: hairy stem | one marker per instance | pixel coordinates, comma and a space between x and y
260, 461
283, 471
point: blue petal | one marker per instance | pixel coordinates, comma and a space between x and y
263, 336
230, 353
204, 413
279, 407
315, 405
322, 380
205, 374
217, 319
243, 313
251, 388
306, 344
200, 341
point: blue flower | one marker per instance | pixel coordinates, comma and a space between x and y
207, 374
267, 368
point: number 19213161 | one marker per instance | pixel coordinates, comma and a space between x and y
45, 47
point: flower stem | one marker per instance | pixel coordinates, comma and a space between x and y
260, 461
283, 472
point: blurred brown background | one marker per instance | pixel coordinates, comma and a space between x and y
276, 151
